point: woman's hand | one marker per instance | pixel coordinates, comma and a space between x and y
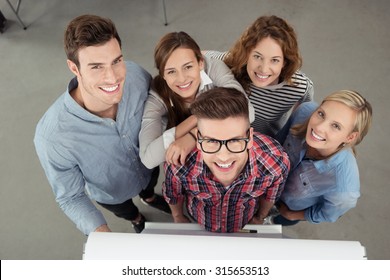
178, 151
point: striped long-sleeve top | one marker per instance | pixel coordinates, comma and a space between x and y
274, 104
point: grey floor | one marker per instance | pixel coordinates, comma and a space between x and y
345, 45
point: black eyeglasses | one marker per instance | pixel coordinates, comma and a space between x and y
234, 145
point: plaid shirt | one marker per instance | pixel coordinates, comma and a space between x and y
228, 209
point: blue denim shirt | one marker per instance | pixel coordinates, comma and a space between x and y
325, 189
87, 157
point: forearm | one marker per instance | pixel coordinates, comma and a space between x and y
83, 213
151, 137
264, 208
152, 154
290, 214
177, 211
295, 215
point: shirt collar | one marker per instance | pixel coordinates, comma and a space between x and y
74, 108
204, 80
326, 164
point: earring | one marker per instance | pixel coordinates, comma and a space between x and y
344, 144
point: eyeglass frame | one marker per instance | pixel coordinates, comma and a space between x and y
223, 142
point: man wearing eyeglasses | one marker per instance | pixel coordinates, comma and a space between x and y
234, 175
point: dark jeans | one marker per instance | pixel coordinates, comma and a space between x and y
127, 210
280, 220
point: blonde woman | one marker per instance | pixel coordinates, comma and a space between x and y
323, 183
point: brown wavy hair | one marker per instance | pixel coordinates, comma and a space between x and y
263, 27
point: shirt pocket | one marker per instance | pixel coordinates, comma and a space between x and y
251, 198
206, 199
305, 186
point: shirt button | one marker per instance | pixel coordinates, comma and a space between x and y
123, 136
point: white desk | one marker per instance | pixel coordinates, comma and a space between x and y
174, 241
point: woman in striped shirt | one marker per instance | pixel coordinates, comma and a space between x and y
266, 61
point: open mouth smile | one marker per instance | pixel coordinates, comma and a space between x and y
186, 86
110, 89
316, 136
263, 77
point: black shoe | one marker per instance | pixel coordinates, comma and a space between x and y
159, 203
138, 227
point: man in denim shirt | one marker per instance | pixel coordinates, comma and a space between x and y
87, 141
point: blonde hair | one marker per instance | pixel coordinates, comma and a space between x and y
352, 100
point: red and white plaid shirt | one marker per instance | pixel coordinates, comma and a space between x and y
228, 209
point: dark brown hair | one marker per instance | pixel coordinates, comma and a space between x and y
221, 103
87, 30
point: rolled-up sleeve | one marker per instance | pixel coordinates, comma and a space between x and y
68, 186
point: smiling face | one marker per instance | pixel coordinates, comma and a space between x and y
330, 126
101, 76
226, 166
182, 73
265, 63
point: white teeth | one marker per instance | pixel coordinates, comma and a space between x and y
110, 89
262, 77
226, 165
316, 136
185, 86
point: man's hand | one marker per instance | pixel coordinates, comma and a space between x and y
256, 220
181, 219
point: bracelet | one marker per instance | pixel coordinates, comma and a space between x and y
193, 135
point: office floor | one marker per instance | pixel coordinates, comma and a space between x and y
345, 45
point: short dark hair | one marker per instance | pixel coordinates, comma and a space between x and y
87, 30
220, 103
